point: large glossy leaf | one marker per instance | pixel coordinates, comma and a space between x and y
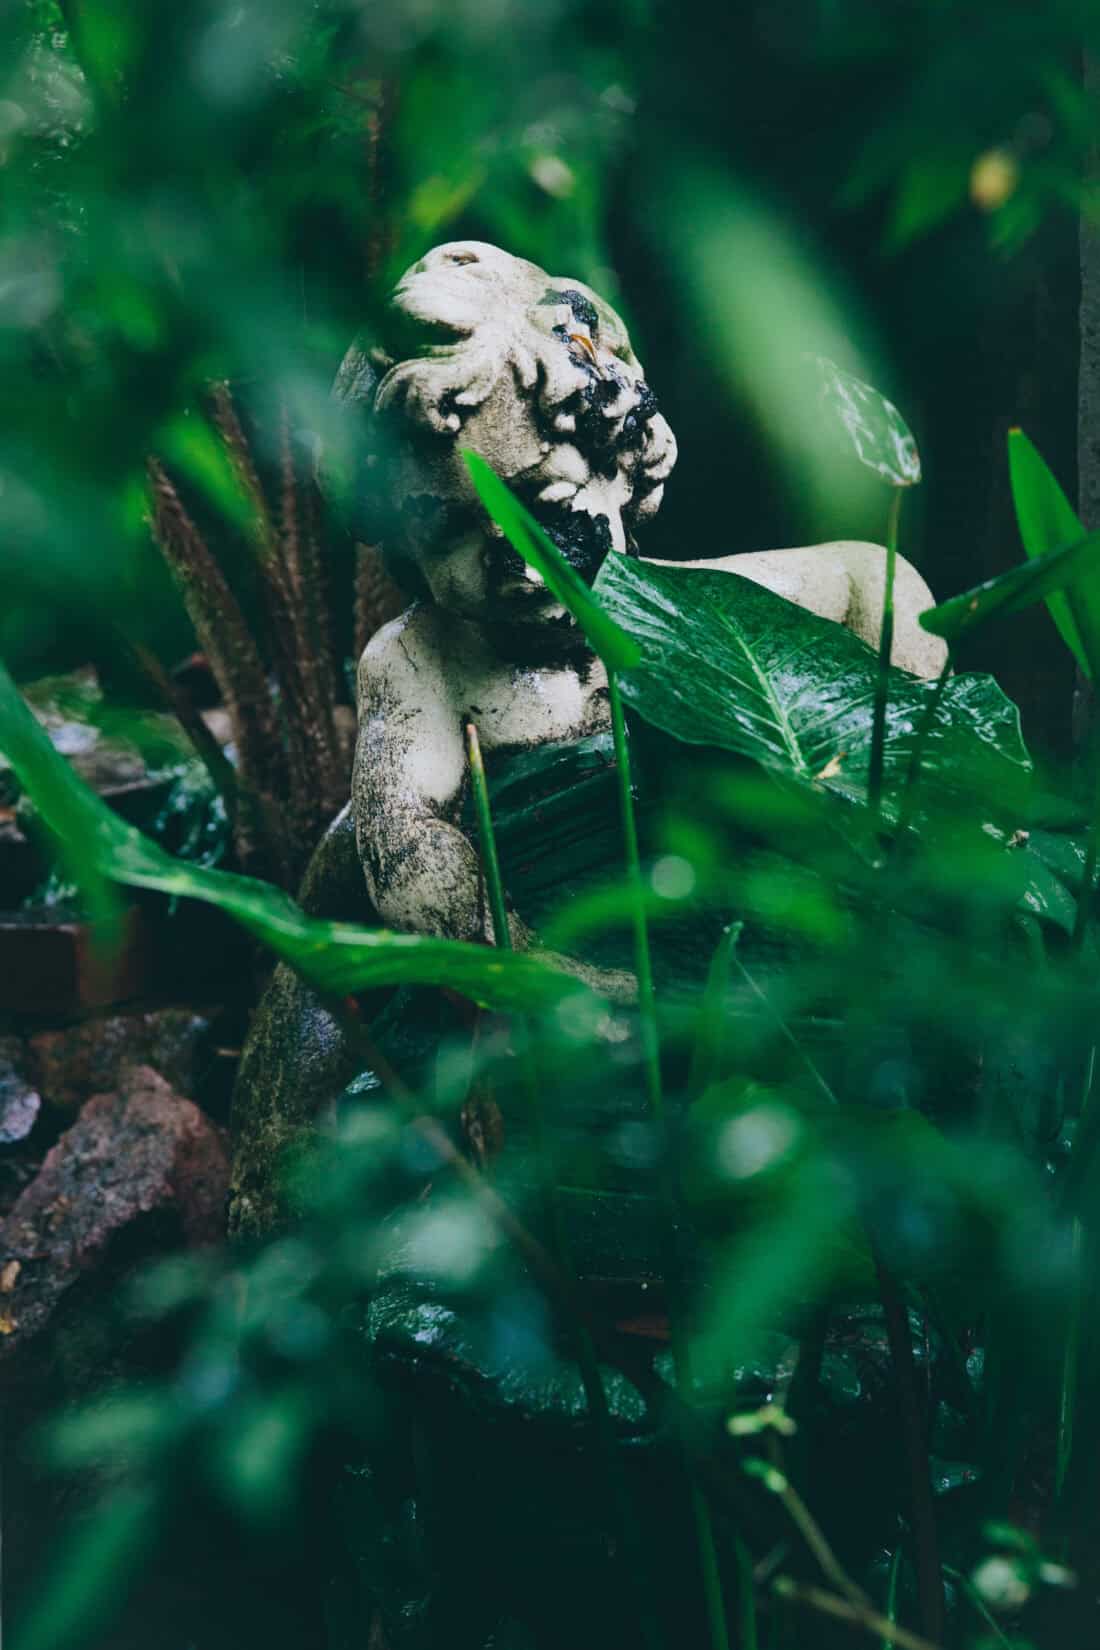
879, 435
535, 546
728, 663
1047, 522
335, 957
1032, 581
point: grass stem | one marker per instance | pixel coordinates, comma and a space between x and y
892, 1591
870, 1620
486, 836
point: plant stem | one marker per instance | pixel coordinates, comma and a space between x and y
885, 646
892, 1592
708, 1564
973, 1597
776, 1482
908, 804
487, 840
872, 1621
785, 1032
706, 1059
925, 1537
587, 1364
647, 1014
643, 967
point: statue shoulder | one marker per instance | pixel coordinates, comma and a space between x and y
406, 656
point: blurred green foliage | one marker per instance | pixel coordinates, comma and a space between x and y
883, 1074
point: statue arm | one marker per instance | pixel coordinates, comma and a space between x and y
844, 581
421, 870
410, 768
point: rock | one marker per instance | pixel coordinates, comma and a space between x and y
76, 1061
141, 1157
20, 1102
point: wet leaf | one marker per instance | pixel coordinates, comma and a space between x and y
728, 663
1047, 522
1037, 580
879, 435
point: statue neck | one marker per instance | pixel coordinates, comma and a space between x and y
551, 644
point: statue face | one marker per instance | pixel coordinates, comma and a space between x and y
536, 374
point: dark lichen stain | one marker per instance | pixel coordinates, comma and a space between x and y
583, 540
583, 309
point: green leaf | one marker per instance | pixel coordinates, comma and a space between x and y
337, 958
525, 535
730, 664
1011, 592
880, 437
1047, 521
96, 1562
1045, 895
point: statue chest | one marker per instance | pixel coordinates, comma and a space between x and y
522, 707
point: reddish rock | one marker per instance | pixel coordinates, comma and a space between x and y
140, 1157
70, 1064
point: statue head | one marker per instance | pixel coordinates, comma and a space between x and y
536, 374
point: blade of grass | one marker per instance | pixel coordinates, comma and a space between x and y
1047, 521
617, 650
1044, 576
487, 840
892, 1592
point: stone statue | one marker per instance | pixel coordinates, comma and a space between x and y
537, 375
541, 380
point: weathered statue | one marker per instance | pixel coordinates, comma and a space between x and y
537, 375
542, 382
